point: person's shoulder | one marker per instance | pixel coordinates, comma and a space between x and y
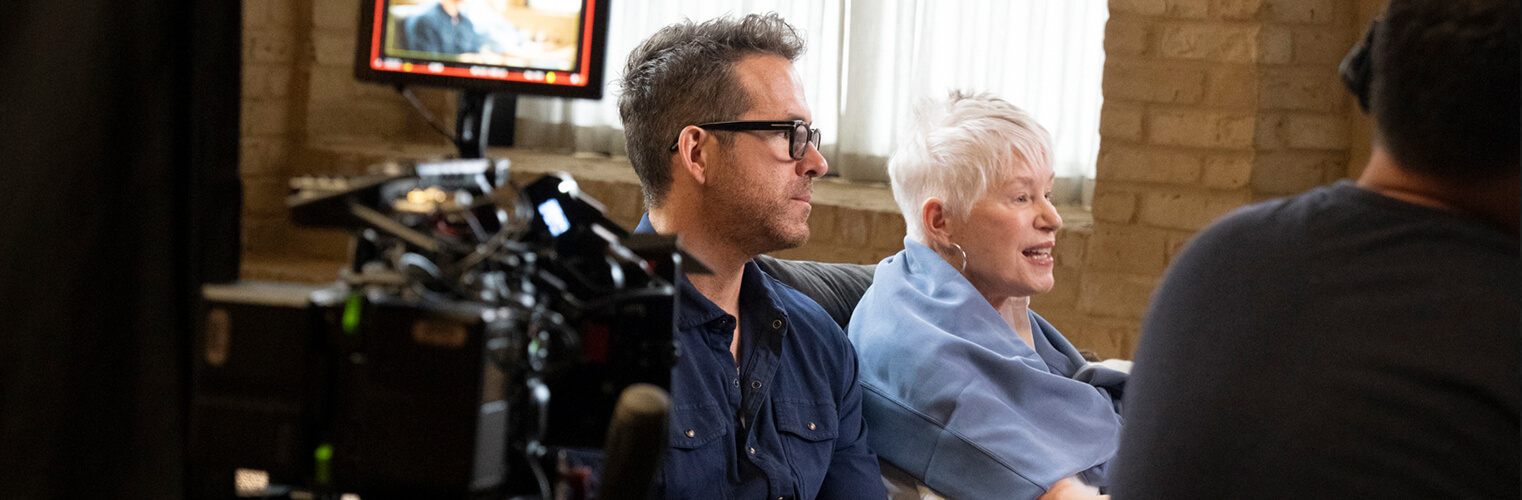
1266, 229
807, 317
428, 12
1341, 220
836, 287
1254, 221
799, 307
424, 19
1309, 206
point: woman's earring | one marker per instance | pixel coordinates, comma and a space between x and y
964, 258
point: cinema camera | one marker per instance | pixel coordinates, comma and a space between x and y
480, 338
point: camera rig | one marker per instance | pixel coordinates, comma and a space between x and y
481, 333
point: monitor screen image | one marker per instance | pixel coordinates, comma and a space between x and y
554, 217
536, 47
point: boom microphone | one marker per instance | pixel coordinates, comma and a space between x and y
636, 443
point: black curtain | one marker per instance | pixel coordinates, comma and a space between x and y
118, 175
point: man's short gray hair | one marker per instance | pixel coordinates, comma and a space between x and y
960, 149
684, 75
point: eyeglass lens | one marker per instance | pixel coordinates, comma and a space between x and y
801, 138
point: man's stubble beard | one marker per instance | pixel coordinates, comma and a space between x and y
748, 221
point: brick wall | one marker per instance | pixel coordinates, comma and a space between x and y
299, 99
1209, 105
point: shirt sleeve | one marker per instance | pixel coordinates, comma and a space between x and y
854, 472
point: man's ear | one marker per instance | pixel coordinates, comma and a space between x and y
933, 218
690, 155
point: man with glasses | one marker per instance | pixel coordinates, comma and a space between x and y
766, 404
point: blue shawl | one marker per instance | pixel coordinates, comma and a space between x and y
955, 398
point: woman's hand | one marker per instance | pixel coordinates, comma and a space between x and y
1069, 488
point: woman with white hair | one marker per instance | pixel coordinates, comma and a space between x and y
968, 391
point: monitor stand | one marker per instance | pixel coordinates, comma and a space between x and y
473, 121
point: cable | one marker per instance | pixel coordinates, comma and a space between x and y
539, 397
539, 475
433, 121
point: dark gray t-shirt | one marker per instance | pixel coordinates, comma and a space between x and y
1336, 344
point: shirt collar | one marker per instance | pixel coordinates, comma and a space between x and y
644, 225
756, 292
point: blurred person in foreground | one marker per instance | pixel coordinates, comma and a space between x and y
969, 393
1360, 340
765, 400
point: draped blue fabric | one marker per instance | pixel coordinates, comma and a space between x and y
955, 398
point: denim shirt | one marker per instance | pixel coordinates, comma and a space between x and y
785, 424
434, 30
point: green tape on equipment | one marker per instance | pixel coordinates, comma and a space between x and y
324, 456
355, 304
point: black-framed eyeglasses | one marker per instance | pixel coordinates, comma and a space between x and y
799, 135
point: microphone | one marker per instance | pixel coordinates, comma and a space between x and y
636, 443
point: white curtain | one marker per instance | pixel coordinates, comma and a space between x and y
871, 62
583, 125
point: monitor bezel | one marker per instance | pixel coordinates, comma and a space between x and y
594, 54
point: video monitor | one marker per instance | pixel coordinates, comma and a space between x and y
534, 47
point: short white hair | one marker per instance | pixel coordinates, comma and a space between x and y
959, 149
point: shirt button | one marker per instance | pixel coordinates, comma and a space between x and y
737, 382
776, 324
811, 427
755, 384
753, 451
691, 433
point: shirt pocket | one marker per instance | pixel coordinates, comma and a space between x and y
808, 430
696, 466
